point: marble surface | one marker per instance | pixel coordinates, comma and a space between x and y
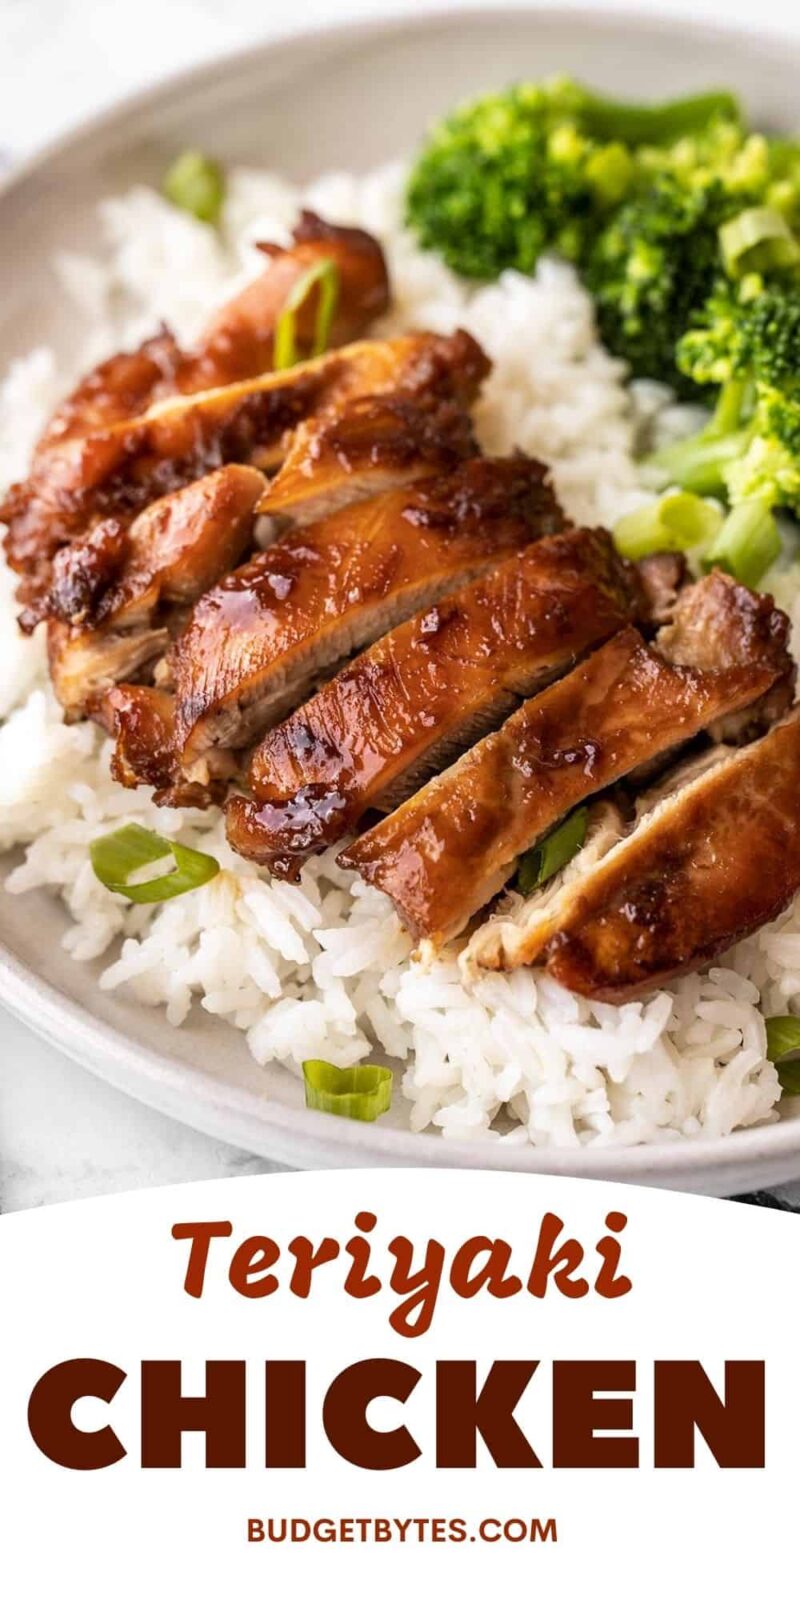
63, 1134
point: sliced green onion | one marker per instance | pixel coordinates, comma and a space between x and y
326, 275
747, 543
197, 185
783, 1039
362, 1093
117, 856
758, 240
553, 852
675, 522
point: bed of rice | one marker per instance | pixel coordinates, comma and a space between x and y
324, 968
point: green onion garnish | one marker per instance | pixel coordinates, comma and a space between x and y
197, 185
747, 543
783, 1039
675, 522
362, 1093
115, 857
553, 852
326, 274
758, 240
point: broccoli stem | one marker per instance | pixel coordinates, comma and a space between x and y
698, 464
656, 125
747, 543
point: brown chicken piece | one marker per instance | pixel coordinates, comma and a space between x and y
707, 866
118, 470
142, 720
238, 340
365, 447
448, 851
419, 695
258, 642
114, 591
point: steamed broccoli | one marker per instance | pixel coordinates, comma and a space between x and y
653, 267
747, 343
705, 206
538, 167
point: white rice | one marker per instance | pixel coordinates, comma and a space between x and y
324, 968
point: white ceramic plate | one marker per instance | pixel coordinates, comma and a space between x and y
351, 98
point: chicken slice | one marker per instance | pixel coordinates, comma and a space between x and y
364, 447
141, 717
84, 664
448, 851
403, 709
710, 864
118, 470
113, 590
258, 642
238, 340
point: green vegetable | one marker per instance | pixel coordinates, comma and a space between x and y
115, 857
783, 1039
675, 522
653, 266
362, 1093
747, 543
324, 276
658, 125
748, 341
758, 240
699, 463
553, 852
197, 185
537, 167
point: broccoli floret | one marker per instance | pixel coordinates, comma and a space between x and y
748, 341
749, 344
661, 258
536, 167
767, 344
653, 267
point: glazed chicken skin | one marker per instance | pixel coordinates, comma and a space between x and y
258, 641
626, 706
713, 862
120, 469
238, 341
115, 592
364, 447
421, 693
141, 719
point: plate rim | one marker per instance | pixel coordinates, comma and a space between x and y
297, 1135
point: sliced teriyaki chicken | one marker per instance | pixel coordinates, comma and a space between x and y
707, 865
448, 851
114, 589
141, 718
366, 446
118, 470
259, 641
521, 925
406, 706
238, 341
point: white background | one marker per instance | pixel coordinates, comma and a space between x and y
61, 1133
711, 1282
